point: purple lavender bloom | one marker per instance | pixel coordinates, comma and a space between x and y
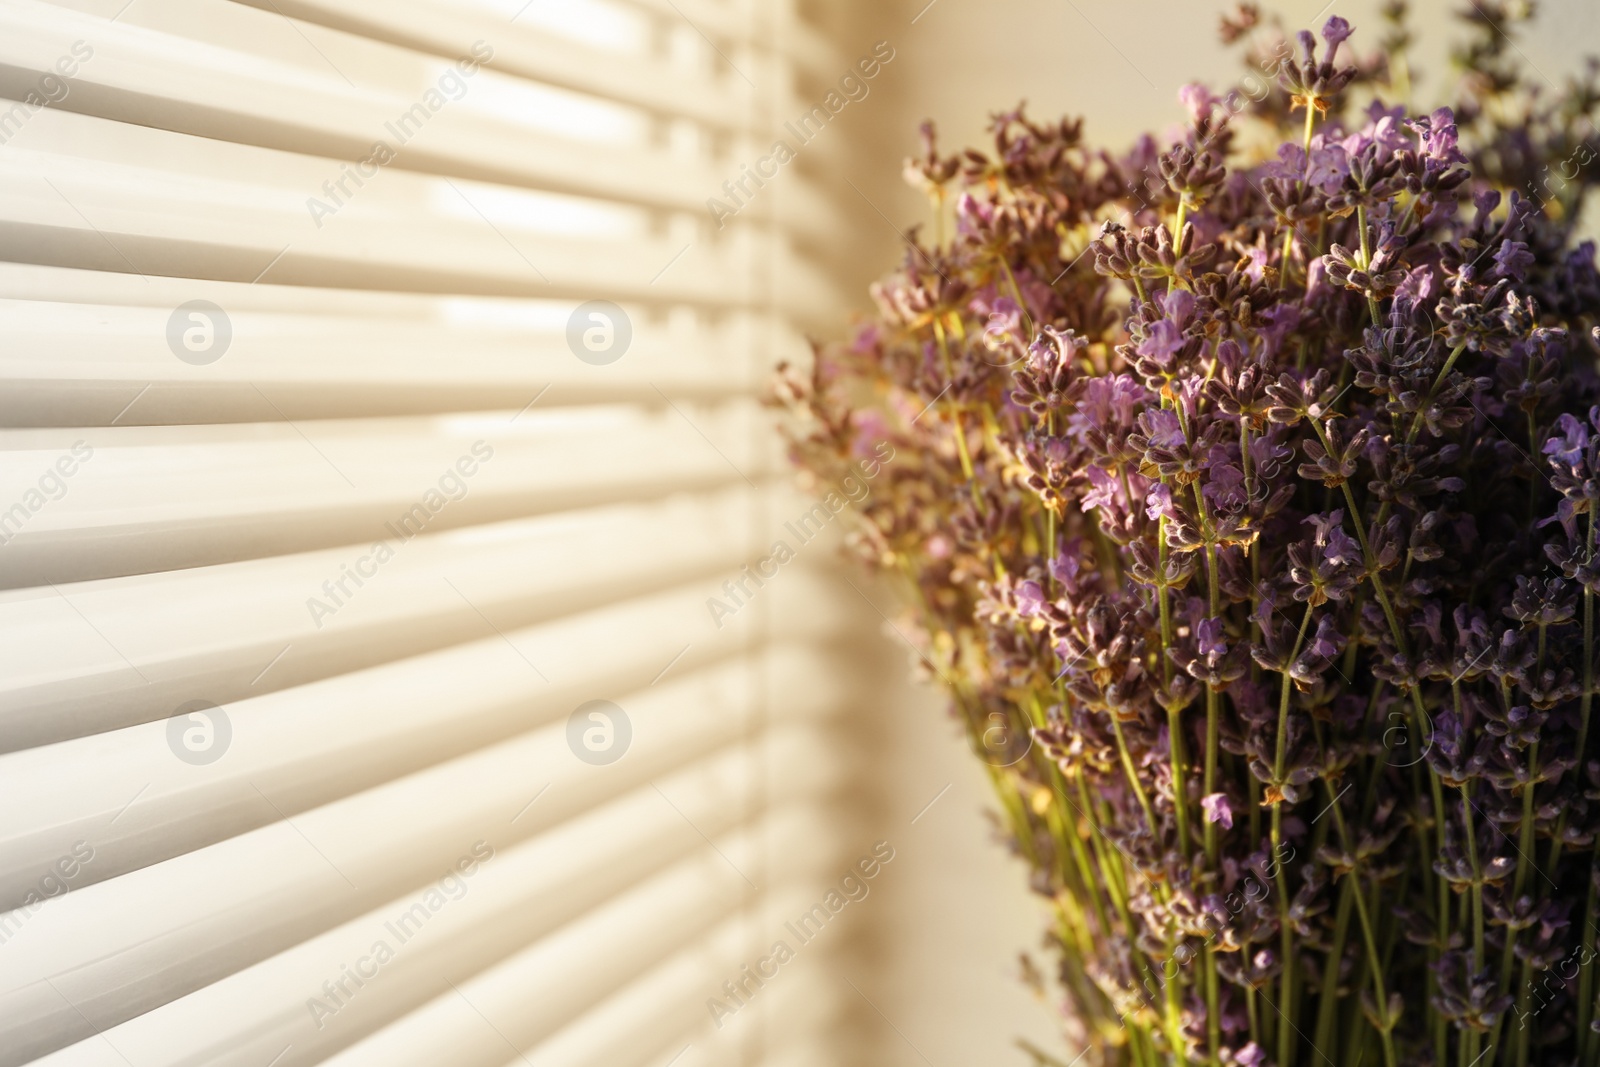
1030, 599
1257, 269
1329, 168
1107, 404
1316, 277
1438, 137
1420, 286
1178, 305
1265, 610
1327, 641
1269, 453
1308, 45
973, 214
1384, 128
1208, 638
1142, 159
1217, 809
867, 339
1485, 200
1336, 31
1290, 164
1325, 523
1513, 260
1066, 567
1005, 323
1103, 491
871, 430
1571, 443
1281, 320
1158, 502
1125, 398
1224, 489
1187, 390
1197, 100
1162, 343
1448, 735
1162, 428
1341, 548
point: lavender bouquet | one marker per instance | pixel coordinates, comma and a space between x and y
1245, 507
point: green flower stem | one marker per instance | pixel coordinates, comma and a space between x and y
1213, 734
1525, 842
1362, 914
1288, 250
1584, 704
1006, 788
1587, 1039
1109, 865
1525, 846
1366, 260
1288, 237
1133, 775
1523, 995
1478, 957
1175, 745
1477, 882
1109, 860
1255, 604
1016, 291
955, 418
1398, 636
1286, 932
1173, 1019
1417, 419
1213, 997
1213, 710
1254, 1014
1384, 1036
1327, 1005
1525, 849
1066, 832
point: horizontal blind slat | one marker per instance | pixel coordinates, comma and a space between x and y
659, 1013
87, 365
241, 940
152, 78
142, 499
307, 749
534, 994
143, 76
241, 215
243, 629
450, 30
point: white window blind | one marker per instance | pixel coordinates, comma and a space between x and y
319, 531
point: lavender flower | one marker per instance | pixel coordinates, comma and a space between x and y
1217, 809
1274, 523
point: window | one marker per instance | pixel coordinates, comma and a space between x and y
380, 407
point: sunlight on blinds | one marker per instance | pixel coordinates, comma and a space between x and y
381, 412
